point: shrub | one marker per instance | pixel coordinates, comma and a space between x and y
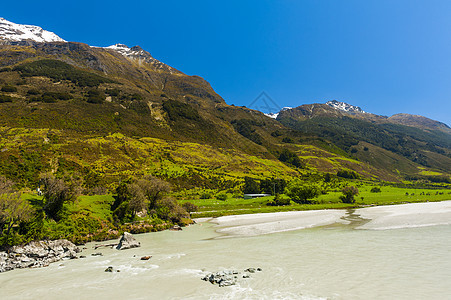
59, 70
113, 92
278, 201
244, 127
251, 186
95, 97
56, 194
376, 190
349, 193
178, 110
9, 89
347, 174
169, 209
190, 207
13, 210
33, 92
221, 196
4, 99
301, 193
205, 195
290, 157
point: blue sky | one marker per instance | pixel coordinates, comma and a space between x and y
387, 57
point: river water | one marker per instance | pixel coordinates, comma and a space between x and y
328, 262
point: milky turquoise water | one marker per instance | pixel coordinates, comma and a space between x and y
334, 262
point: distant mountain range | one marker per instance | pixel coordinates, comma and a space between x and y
105, 113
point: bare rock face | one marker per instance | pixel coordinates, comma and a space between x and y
127, 241
37, 254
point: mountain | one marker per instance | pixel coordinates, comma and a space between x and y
102, 114
418, 139
419, 122
16, 32
344, 106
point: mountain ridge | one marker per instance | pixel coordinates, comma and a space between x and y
76, 92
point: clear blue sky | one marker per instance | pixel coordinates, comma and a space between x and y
384, 56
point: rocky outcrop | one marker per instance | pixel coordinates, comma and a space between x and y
127, 242
228, 277
37, 254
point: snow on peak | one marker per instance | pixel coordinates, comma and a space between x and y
16, 32
344, 106
129, 52
274, 115
137, 53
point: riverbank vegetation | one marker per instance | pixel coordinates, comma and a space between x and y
65, 207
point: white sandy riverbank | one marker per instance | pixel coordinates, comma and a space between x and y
257, 224
381, 217
406, 215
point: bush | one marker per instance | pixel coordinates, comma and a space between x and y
9, 89
56, 194
349, 193
221, 196
244, 127
376, 190
4, 99
251, 186
273, 185
33, 92
290, 157
205, 195
169, 209
59, 70
95, 97
178, 110
278, 201
347, 174
190, 207
113, 92
301, 193
287, 140
51, 97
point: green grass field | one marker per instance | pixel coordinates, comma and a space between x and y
387, 196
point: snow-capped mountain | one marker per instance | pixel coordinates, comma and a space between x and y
137, 53
344, 106
16, 32
274, 115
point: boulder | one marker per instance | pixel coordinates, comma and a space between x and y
109, 269
127, 241
37, 254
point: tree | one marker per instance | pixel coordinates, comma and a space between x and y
269, 186
221, 196
154, 189
251, 186
13, 210
349, 193
135, 197
300, 192
168, 209
137, 201
190, 207
56, 194
6, 185
290, 157
376, 190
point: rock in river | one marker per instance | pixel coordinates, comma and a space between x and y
127, 242
37, 254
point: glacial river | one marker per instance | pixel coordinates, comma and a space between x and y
328, 262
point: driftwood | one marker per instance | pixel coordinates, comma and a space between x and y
105, 245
